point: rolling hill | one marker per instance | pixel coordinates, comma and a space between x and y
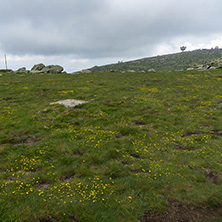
170, 62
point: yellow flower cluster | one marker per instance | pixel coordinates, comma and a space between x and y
24, 163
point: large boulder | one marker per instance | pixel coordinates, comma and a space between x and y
41, 68
38, 67
21, 70
52, 69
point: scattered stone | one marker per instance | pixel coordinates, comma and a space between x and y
85, 71
69, 102
151, 70
74, 73
214, 64
0, 74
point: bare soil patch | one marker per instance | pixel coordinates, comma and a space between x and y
184, 213
212, 177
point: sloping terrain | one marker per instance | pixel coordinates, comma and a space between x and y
171, 62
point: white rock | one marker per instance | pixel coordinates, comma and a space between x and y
69, 102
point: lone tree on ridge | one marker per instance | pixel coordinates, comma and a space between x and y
183, 48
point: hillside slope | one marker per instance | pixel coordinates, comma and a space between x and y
171, 62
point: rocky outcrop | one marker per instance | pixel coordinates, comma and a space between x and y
21, 70
54, 69
214, 64
38, 67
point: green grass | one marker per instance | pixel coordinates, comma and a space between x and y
143, 141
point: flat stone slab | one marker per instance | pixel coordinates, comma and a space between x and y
69, 102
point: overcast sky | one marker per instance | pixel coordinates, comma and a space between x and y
79, 34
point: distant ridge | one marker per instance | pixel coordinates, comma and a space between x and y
170, 62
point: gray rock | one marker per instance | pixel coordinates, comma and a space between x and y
69, 102
86, 71
151, 70
0, 74
36, 71
54, 69
21, 70
38, 67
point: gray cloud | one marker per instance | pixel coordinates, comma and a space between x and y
102, 28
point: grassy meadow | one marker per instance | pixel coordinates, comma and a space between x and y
146, 147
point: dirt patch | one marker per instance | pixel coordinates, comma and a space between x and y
51, 219
112, 103
47, 219
213, 132
69, 177
28, 142
216, 133
119, 136
184, 213
180, 147
24, 139
78, 153
43, 186
135, 155
188, 148
11, 99
43, 111
123, 162
212, 177
204, 125
191, 134
21, 139
73, 219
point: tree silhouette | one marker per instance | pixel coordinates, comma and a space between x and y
183, 48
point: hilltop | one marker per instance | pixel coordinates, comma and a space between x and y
170, 62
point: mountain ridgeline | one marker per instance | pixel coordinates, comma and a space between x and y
170, 62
